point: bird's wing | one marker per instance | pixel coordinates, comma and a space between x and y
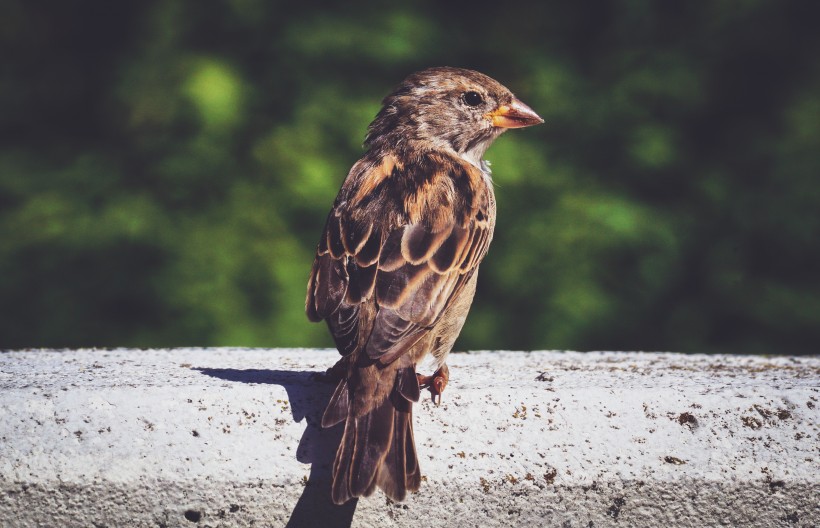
405, 235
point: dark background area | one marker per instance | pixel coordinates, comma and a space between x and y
166, 167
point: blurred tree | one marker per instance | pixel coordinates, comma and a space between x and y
166, 167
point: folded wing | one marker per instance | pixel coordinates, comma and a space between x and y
405, 237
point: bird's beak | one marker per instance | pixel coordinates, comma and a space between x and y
514, 115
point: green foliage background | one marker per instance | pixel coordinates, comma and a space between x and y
166, 167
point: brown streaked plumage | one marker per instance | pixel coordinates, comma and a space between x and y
395, 269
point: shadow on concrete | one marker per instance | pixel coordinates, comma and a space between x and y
308, 395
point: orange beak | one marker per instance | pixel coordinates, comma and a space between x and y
514, 115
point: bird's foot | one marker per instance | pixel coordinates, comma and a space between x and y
436, 383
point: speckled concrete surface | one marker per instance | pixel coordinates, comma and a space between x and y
229, 437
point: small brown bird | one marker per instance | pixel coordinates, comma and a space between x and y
395, 269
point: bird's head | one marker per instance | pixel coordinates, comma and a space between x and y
448, 109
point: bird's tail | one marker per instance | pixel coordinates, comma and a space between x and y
377, 447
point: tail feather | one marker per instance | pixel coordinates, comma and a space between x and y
399, 472
377, 449
373, 436
340, 490
339, 406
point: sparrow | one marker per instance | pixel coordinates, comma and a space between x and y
396, 266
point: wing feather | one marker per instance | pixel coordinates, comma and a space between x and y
409, 264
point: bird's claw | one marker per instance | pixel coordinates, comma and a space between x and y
436, 383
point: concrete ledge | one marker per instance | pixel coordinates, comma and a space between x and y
229, 437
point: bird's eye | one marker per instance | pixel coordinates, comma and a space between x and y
473, 98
